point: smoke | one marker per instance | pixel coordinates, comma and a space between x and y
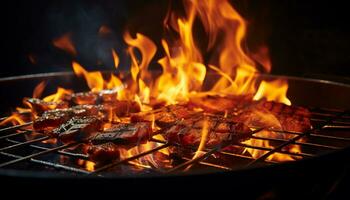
83, 21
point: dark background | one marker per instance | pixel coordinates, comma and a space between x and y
305, 38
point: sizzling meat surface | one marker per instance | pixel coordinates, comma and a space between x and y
103, 152
39, 106
53, 118
275, 115
78, 129
131, 133
189, 132
165, 116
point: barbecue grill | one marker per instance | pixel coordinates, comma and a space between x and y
29, 157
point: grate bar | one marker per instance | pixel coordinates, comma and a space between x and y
243, 156
11, 128
25, 143
330, 137
298, 143
15, 134
46, 163
105, 167
199, 158
293, 140
37, 154
76, 155
212, 165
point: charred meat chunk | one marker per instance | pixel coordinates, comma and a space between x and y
121, 108
220, 104
189, 133
39, 106
85, 110
83, 98
267, 114
78, 129
108, 95
53, 118
165, 116
125, 134
103, 152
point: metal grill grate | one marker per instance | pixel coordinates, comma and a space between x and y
330, 132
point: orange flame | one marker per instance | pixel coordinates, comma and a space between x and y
204, 137
273, 91
14, 119
39, 89
61, 92
65, 43
95, 79
115, 58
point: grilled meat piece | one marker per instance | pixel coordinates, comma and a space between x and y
165, 116
78, 129
53, 118
125, 134
220, 104
103, 152
189, 132
121, 108
39, 106
85, 110
267, 114
91, 98
83, 98
108, 95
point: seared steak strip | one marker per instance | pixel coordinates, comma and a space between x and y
189, 132
165, 116
39, 106
103, 152
78, 129
125, 134
267, 114
83, 98
53, 118
121, 108
220, 104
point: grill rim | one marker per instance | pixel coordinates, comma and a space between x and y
247, 169
71, 73
47, 174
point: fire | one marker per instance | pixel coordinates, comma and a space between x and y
90, 166
14, 119
273, 91
65, 43
205, 131
59, 95
204, 134
115, 58
39, 89
184, 69
95, 79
